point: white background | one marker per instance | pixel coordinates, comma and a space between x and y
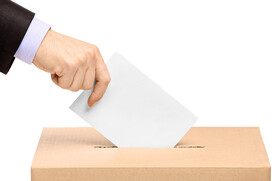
218, 58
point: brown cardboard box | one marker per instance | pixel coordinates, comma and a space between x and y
204, 154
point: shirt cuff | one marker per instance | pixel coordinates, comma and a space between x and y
35, 34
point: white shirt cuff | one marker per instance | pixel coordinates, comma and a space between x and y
35, 34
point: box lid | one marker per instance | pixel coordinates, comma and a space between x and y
200, 147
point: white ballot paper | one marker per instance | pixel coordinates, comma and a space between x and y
135, 112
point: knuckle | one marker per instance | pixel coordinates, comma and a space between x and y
58, 70
63, 86
95, 48
93, 51
82, 60
68, 66
87, 87
74, 89
108, 79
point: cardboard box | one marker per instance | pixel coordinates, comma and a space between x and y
204, 154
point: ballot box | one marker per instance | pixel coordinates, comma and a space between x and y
203, 154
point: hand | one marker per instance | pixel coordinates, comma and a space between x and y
73, 64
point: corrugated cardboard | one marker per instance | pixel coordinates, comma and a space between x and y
203, 154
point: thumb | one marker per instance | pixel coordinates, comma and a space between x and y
98, 92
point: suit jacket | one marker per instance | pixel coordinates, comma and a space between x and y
14, 22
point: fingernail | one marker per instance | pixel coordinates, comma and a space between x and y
91, 104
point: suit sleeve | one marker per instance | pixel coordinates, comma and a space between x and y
14, 22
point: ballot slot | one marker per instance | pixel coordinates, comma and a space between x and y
178, 146
104, 146
190, 146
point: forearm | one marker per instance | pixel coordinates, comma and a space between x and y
14, 22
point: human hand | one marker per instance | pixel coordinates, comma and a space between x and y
73, 64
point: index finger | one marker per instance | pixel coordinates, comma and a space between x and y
98, 92
102, 81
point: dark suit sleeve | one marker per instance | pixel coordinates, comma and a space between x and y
14, 22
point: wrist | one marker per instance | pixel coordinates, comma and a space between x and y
42, 46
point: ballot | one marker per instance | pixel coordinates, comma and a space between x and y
135, 111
